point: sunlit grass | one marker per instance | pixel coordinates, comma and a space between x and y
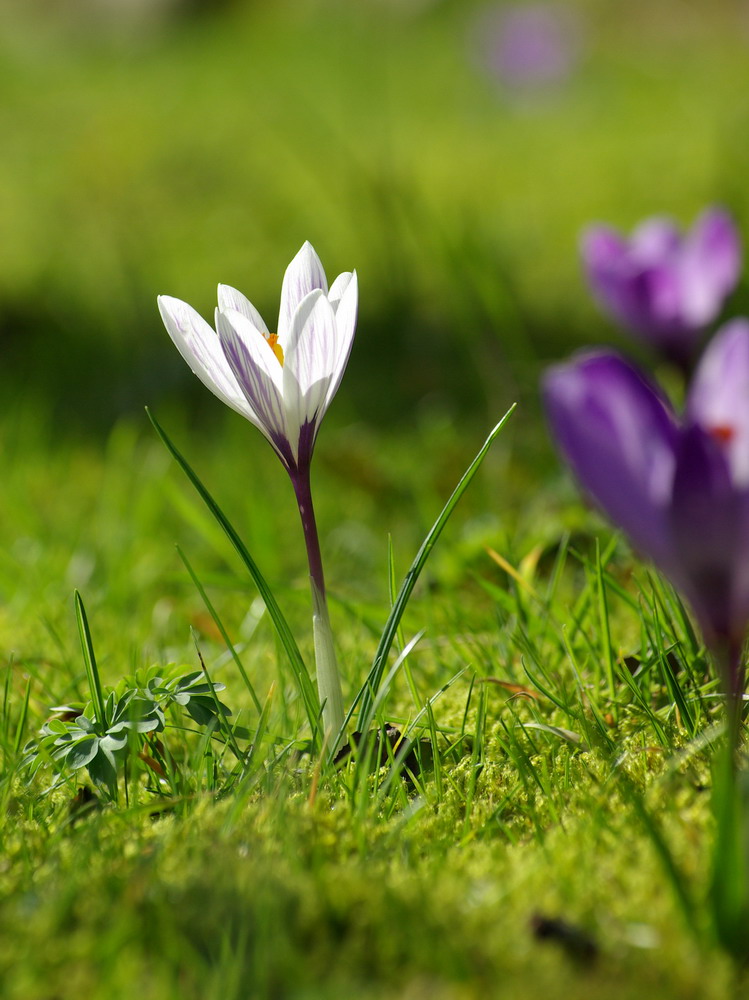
556, 771
561, 715
214, 147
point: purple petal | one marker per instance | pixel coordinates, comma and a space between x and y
658, 316
660, 294
619, 437
603, 249
706, 515
662, 286
528, 45
719, 395
304, 274
711, 265
740, 596
655, 241
640, 290
610, 273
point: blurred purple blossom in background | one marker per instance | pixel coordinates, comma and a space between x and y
528, 46
678, 488
662, 285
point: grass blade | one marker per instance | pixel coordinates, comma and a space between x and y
607, 653
298, 666
92, 671
368, 691
220, 626
22, 719
677, 879
222, 723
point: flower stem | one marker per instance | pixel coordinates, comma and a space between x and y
328, 680
730, 659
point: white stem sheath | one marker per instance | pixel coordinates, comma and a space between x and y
328, 681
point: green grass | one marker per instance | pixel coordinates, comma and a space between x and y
210, 150
564, 718
564, 721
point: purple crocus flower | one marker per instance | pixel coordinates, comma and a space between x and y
679, 488
665, 286
528, 46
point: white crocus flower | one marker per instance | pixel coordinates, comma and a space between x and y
282, 382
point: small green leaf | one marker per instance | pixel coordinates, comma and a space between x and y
82, 752
103, 771
54, 726
146, 725
113, 743
203, 710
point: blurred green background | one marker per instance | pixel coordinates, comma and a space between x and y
164, 146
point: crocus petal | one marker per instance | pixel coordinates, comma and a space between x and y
711, 265
199, 345
230, 298
282, 383
655, 241
658, 317
740, 597
639, 290
258, 374
719, 395
310, 360
664, 286
338, 287
705, 520
661, 297
346, 312
303, 275
716, 240
603, 249
618, 436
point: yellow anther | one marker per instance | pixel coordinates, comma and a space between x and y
272, 339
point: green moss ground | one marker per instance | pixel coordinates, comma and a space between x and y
297, 885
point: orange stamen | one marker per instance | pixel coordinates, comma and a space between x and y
722, 433
272, 339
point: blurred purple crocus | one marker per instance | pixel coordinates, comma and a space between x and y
528, 46
663, 285
679, 488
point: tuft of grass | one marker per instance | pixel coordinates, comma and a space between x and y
558, 723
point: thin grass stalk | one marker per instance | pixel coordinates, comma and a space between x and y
368, 691
223, 726
220, 626
89, 659
603, 615
299, 669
